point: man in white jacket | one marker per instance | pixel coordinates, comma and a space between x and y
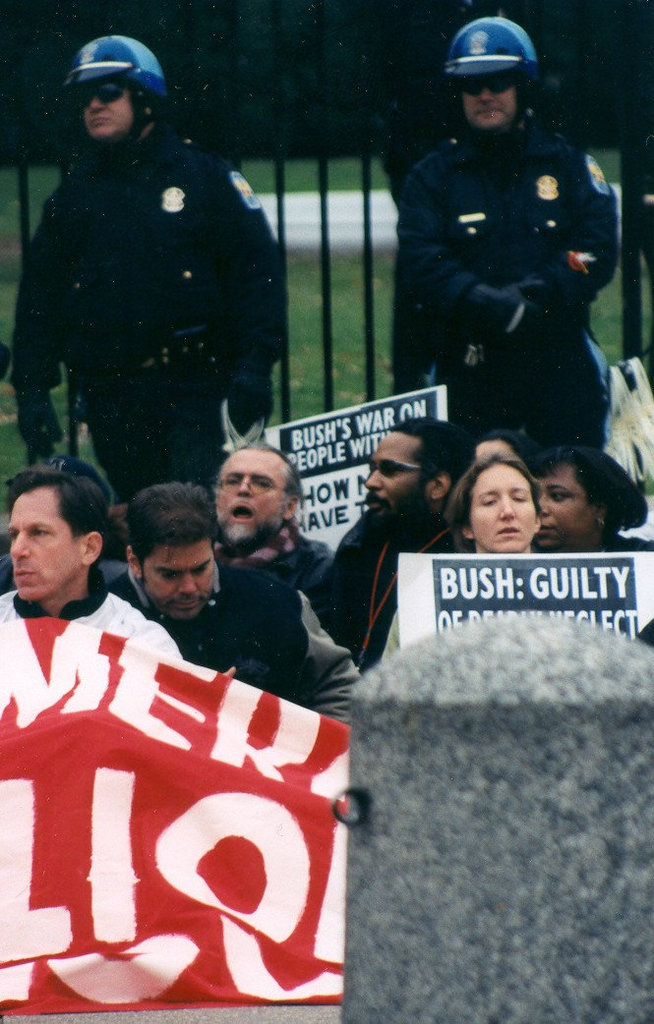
57, 524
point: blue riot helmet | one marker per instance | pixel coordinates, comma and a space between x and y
119, 57
490, 45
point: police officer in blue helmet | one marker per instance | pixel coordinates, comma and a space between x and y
153, 277
123, 75
506, 235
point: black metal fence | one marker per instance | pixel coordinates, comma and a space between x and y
286, 78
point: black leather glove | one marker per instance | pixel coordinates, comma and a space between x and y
535, 289
38, 424
498, 308
249, 399
507, 311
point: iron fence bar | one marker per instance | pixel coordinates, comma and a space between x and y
285, 362
326, 283
280, 190
631, 180
325, 255
368, 273
24, 204
233, 91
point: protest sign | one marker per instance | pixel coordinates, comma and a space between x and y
331, 452
437, 593
166, 833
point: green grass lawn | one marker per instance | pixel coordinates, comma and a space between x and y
305, 302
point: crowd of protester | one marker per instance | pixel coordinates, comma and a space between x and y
428, 490
505, 239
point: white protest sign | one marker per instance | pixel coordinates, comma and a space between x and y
331, 452
437, 593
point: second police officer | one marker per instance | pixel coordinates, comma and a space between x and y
506, 234
153, 276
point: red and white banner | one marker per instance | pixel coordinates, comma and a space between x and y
166, 834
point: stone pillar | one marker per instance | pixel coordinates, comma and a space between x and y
504, 872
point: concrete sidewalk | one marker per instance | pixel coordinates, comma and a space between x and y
229, 1015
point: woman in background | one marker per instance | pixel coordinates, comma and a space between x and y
586, 499
511, 442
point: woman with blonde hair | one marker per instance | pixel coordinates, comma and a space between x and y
494, 508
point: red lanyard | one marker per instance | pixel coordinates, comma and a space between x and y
374, 613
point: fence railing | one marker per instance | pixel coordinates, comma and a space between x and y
325, 37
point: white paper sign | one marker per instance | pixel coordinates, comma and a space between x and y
331, 452
438, 593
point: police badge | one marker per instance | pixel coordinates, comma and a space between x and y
478, 43
547, 187
172, 199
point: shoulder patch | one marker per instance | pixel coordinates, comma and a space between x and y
597, 179
244, 189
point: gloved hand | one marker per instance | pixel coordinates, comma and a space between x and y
38, 424
249, 399
507, 311
535, 289
501, 309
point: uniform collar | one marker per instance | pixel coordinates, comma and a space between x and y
536, 141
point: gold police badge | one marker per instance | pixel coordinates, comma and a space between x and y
547, 187
172, 199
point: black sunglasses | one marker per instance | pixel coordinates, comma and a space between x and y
500, 81
390, 467
106, 92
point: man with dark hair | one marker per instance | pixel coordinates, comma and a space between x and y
224, 617
57, 524
258, 494
411, 474
154, 276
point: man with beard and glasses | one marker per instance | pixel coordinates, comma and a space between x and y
258, 494
222, 617
411, 475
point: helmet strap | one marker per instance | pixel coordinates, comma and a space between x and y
145, 113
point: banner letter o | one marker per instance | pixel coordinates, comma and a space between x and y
272, 829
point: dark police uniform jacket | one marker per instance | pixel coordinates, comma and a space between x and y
533, 205
155, 254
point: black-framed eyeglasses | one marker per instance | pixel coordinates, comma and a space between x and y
106, 92
391, 467
499, 81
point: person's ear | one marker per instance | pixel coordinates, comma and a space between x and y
601, 512
292, 503
91, 547
133, 563
437, 490
467, 533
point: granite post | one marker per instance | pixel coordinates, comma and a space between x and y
502, 870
